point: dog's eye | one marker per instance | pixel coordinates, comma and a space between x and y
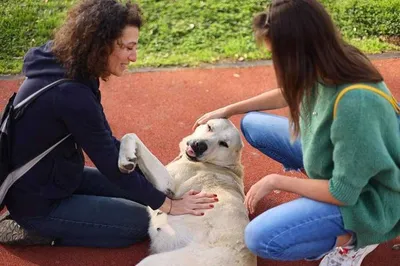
209, 127
223, 144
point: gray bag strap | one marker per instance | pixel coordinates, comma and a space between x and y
24, 103
3, 127
31, 97
17, 173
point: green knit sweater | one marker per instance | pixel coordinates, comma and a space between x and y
359, 153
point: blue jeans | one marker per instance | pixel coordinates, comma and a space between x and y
100, 214
302, 228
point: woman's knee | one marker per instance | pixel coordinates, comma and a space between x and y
254, 240
258, 128
139, 224
270, 134
262, 241
285, 233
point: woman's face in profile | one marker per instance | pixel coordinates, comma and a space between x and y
124, 51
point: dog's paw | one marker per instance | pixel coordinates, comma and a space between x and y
127, 164
170, 194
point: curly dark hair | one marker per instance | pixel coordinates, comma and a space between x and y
85, 41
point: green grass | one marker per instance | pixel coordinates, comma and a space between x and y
25, 24
185, 32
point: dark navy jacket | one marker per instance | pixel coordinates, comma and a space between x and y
72, 107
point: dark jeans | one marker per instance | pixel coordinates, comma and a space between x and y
100, 214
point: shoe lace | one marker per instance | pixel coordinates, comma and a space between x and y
343, 251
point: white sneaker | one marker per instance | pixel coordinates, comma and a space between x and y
346, 256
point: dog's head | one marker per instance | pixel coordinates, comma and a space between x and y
218, 142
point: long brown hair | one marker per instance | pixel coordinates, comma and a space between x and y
85, 41
307, 48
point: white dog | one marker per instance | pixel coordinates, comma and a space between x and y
209, 160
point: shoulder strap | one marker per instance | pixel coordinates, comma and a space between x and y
21, 106
16, 174
19, 172
390, 98
39, 92
19, 109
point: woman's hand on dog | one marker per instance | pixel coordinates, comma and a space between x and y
193, 202
219, 113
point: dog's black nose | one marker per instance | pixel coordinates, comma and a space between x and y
198, 146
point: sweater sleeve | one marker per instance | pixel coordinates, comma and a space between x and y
357, 134
85, 120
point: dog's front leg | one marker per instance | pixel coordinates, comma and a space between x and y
133, 152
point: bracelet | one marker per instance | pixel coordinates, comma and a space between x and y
170, 208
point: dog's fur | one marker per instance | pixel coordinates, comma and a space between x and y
204, 163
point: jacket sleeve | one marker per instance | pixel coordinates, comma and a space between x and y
83, 116
117, 143
358, 136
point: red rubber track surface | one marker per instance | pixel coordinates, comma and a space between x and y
161, 107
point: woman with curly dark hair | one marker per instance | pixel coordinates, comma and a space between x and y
59, 197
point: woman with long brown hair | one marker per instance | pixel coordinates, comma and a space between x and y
349, 149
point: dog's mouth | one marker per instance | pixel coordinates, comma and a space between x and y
191, 154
